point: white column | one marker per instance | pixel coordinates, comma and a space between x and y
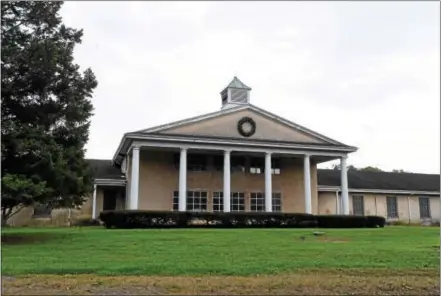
337, 203
227, 179
134, 179
94, 202
344, 185
268, 184
307, 184
183, 180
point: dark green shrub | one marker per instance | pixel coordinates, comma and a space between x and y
166, 219
375, 221
86, 221
341, 221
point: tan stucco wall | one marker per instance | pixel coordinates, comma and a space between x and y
327, 203
375, 204
159, 178
226, 126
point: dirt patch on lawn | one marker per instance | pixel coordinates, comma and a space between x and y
417, 282
326, 239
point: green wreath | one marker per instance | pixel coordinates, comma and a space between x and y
242, 122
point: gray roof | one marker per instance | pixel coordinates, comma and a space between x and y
381, 180
236, 83
103, 169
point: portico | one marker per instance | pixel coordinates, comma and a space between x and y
306, 161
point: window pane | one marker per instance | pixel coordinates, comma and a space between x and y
237, 202
195, 202
392, 208
424, 207
218, 202
257, 202
358, 205
277, 202
175, 203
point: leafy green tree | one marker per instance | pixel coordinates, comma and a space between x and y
370, 169
45, 107
338, 167
400, 171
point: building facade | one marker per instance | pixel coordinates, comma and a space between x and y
240, 158
244, 158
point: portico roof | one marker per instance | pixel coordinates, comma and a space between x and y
173, 131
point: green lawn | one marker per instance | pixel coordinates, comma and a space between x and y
214, 251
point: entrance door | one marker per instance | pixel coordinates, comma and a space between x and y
109, 202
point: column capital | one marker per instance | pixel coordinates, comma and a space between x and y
268, 153
184, 148
136, 147
344, 156
228, 151
307, 155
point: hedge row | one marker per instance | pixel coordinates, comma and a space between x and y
164, 219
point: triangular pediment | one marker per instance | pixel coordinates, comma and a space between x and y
224, 124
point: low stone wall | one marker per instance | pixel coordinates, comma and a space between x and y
58, 218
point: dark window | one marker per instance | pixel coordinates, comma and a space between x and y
109, 200
277, 202
218, 162
257, 165
197, 201
237, 164
358, 205
195, 162
275, 166
218, 201
424, 207
175, 200
392, 207
42, 211
257, 202
176, 160
237, 202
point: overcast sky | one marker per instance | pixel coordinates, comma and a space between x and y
366, 74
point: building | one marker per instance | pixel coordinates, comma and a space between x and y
244, 158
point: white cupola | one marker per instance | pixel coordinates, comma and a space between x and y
236, 93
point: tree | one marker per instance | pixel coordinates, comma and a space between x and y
45, 107
370, 169
399, 171
338, 167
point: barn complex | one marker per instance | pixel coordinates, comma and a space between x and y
244, 158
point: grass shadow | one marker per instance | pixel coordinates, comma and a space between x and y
30, 238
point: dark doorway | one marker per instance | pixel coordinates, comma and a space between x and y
111, 197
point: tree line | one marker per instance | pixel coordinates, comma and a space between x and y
367, 169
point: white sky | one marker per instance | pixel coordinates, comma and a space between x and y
366, 74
